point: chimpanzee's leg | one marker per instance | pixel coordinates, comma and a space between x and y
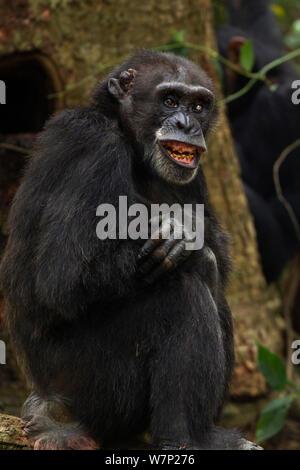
190, 373
189, 369
105, 388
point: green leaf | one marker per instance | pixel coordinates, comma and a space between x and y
296, 27
273, 418
292, 41
272, 368
178, 36
278, 10
182, 51
247, 55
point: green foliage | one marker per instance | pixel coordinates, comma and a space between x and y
273, 418
287, 13
274, 415
247, 55
286, 5
177, 41
292, 39
272, 368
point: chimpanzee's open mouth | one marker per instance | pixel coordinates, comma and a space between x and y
184, 154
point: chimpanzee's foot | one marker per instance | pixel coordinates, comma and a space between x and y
242, 444
168, 445
65, 439
248, 445
216, 439
229, 439
45, 434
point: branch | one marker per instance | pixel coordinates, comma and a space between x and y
257, 76
276, 178
14, 148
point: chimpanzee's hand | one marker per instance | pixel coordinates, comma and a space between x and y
163, 252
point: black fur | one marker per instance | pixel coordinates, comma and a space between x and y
263, 124
121, 354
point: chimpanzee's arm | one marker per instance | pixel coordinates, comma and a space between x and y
54, 257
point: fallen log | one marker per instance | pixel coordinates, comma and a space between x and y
11, 434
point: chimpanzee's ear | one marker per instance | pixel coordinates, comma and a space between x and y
120, 87
234, 48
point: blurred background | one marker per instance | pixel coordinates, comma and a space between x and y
52, 53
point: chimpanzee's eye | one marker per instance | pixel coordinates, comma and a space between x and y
197, 108
171, 102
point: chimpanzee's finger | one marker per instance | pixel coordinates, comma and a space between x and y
162, 233
157, 255
148, 247
175, 256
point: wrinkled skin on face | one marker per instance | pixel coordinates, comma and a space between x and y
168, 113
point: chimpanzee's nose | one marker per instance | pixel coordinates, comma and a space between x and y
186, 124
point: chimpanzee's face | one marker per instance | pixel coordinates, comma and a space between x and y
168, 115
184, 111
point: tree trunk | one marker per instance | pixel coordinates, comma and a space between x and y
76, 36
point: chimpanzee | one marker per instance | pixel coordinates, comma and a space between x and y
122, 335
264, 123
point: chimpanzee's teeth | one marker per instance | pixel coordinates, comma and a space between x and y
185, 156
182, 157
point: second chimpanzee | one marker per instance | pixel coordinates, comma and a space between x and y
123, 334
264, 123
